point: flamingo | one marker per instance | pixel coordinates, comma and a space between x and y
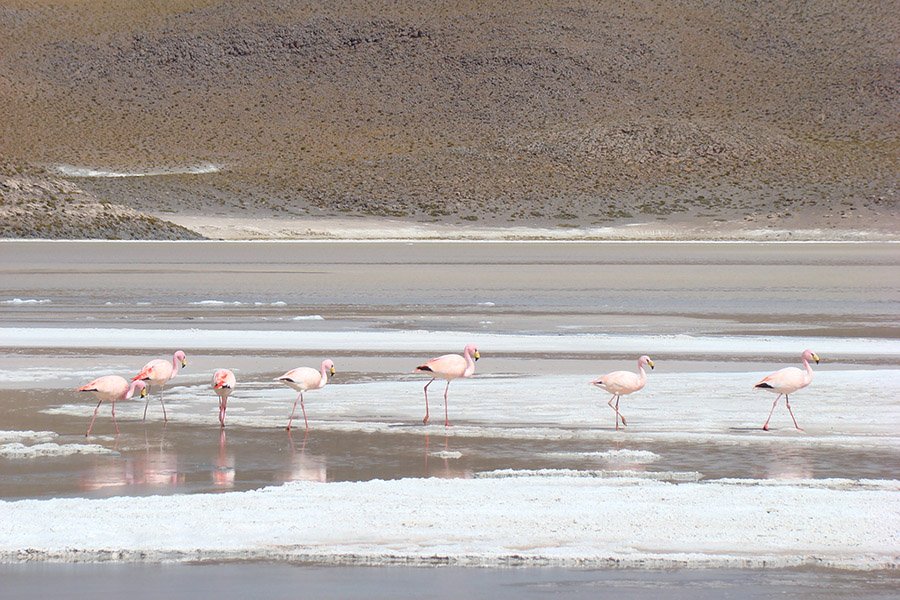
157, 374
303, 379
223, 383
449, 367
112, 388
622, 383
787, 381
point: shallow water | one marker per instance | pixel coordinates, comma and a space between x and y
196, 456
807, 289
239, 580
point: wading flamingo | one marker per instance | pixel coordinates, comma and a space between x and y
303, 379
449, 367
112, 388
223, 383
157, 374
622, 383
787, 381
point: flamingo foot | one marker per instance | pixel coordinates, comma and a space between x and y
765, 427
425, 420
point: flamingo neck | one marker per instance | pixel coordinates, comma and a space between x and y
175, 366
642, 374
131, 390
809, 371
470, 365
324, 373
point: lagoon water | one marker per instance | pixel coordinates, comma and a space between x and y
547, 317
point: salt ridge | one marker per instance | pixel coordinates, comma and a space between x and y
553, 520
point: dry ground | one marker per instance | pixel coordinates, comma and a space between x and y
558, 114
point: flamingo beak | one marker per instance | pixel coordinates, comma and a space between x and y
332, 371
143, 392
477, 355
816, 358
183, 363
650, 362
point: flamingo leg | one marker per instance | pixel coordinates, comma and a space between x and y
293, 410
222, 403
165, 417
425, 420
146, 404
616, 409
621, 416
116, 423
303, 408
446, 417
788, 403
91, 426
774, 404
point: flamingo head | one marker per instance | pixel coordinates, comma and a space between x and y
809, 355
472, 351
328, 365
645, 361
180, 357
141, 385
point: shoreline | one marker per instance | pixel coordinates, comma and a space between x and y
343, 229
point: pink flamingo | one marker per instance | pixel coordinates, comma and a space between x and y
622, 383
449, 367
112, 388
787, 381
157, 374
303, 379
223, 383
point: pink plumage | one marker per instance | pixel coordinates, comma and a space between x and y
223, 383
111, 388
787, 381
622, 383
449, 367
157, 373
303, 379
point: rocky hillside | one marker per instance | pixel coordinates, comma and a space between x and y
34, 204
562, 113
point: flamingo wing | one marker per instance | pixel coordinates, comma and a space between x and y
155, 370
619, 382
448, 365
92, 386
301, 378
223, 378
108, 386
784, 381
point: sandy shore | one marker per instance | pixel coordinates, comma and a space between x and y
357, 228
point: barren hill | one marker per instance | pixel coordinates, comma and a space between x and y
558, 113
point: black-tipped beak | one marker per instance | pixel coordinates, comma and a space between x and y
333, 371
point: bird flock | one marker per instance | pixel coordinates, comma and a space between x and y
157, 373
